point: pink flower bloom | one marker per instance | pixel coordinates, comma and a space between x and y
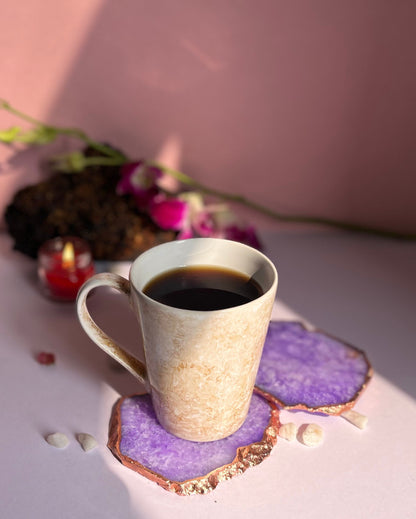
185, 233
215, 221
204, 224
139, 180
245, 235
187, 214
169, 213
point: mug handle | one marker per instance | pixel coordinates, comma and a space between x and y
95, 333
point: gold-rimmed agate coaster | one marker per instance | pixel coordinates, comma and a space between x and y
138, 440
311, 370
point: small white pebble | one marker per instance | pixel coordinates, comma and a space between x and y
59, 440
312, 435
288, 431
87, 441
357, 419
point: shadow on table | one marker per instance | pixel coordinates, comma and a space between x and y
33, 323
111, 311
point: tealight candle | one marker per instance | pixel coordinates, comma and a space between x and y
64, 264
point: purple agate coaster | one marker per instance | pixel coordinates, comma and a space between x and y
311, 370
138, 440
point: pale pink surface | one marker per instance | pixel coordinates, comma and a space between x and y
362, 290
306, 107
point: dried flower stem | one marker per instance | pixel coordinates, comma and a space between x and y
70, 132
114, 158
349, 226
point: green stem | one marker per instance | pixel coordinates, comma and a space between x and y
104, 161
89, 161
7, 106
102, 148
114, 158
71, 132
290, 218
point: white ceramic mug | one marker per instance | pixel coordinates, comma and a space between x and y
200, 366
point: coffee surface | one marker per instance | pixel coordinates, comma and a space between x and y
202, 288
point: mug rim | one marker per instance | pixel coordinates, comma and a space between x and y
175, 243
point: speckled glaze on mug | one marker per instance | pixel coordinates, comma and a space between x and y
200, 366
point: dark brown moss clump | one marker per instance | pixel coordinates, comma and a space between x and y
85, 205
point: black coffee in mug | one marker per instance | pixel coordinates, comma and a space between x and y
203, 288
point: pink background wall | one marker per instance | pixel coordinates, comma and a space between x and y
307, 107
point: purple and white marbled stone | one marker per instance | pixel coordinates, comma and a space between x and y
311, 368
144, 440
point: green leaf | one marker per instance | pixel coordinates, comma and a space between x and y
10, 135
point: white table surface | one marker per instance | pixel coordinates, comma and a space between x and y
359, 288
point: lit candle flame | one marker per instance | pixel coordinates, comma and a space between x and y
68, 256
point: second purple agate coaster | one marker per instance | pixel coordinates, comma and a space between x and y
311, 370
138, 440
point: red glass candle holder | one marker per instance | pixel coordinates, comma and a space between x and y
64, 264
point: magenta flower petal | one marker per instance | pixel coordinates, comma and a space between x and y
185, 234
204, 224
144, 199
127, 171
139, 180
169, 213
245, 235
